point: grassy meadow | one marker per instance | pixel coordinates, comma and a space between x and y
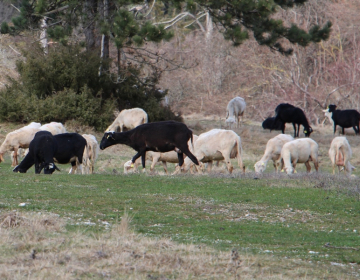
152, 226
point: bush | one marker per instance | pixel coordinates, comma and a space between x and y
65, 85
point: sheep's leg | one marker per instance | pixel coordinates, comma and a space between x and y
316, 165
73, 167
165, 167
308, 167
228, 164
139, 154
294, 165
275, 166
15, 158
209, 166
334, 127
185, 149
143, 159
343, 131
356, 129
294, 125
199, 168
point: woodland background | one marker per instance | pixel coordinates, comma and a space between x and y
214, 71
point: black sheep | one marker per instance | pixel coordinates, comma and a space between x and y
288, 113
345, 118
157, 136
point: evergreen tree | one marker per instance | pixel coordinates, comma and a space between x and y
122, 21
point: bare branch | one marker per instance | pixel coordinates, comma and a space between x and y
15, 8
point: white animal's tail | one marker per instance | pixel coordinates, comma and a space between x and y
239, 152
145, 119
86, 160
339, 157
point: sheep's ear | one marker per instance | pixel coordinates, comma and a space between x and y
110, 135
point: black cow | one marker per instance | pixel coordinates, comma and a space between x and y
269, 124
345, 118
70, 149
288, 113
157, 136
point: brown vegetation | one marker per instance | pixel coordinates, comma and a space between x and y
310, 79
37, 246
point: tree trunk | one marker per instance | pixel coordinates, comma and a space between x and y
104, 42
89, 24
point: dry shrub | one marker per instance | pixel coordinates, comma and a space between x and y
9, 220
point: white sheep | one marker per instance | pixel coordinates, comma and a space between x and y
234, 110
16, 139
92, 151
340, 154
54, 128
156, 157
217, 145
128, 119
272, 152
300, 151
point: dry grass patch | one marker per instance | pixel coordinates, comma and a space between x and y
37, 246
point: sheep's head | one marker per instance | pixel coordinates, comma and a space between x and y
230, 120
308, 131
50, 168
107, 140
332, 108
260, 167
128, 166
18, 169
289, 170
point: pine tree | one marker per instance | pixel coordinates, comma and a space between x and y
125, 21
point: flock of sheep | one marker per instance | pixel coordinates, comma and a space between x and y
18, 142
173, 142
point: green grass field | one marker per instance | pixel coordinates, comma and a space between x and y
310, 220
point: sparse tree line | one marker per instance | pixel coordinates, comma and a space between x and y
311, 78
100, 55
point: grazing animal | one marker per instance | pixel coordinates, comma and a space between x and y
22, 152
288, 113
269, 124
16, 139
42, 149
93, 152
234, 110
156, 157
128, 119
158, 136
300, 151
340, 154
329, 115
344, 118
54, 128
217, 144
70, 149
272, 152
